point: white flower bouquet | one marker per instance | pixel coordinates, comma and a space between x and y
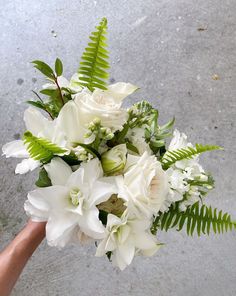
106, 173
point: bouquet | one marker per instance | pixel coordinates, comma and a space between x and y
107, 174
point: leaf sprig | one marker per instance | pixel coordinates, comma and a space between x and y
41, 149
172, 156
197, 217
56, 97
93, 67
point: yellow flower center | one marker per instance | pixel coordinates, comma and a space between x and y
74, 196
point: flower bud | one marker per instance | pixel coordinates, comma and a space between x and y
97, 121
109, 136
114, 160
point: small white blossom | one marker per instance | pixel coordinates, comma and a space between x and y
180, 174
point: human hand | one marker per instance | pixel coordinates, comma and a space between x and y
14, 257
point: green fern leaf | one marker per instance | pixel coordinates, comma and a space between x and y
94, 63
171, 156
197, 217
41, 149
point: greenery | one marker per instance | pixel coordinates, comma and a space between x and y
203, 185
56, 96
43, 180
143, 115
94, 64
171, 156
58, 67
40, 148
197, 217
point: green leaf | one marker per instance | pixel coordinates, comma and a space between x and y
103, 216
48, 92
168, 125
94, 62
44, 69
43, 180
58, 67
71, 159
197, 217
41, 149
131, 147
37, 104
171, 156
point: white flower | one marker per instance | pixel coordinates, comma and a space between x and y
180, 173
82, 154
69, 206
39, 126
126, 237
178, 141
144, 185
105, 105
114, 160
137, 138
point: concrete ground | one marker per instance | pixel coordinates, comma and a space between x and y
182, 55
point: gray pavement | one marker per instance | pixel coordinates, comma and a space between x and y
182, 55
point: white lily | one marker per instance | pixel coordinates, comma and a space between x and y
69, 205
39, 126
124, 238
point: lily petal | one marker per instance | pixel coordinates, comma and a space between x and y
126, 251
101, 192
53, 198
91, 225
60, 229
58, 171
93, 171
15, 149
35, 214
101, 249
26, 165
69, 123
145, 241
35, 122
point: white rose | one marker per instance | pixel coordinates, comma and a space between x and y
144, 185
105, 105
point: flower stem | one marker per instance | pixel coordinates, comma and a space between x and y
60, 93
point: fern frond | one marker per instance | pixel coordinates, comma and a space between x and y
171, 156
94, 59
197, 217
41, 149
